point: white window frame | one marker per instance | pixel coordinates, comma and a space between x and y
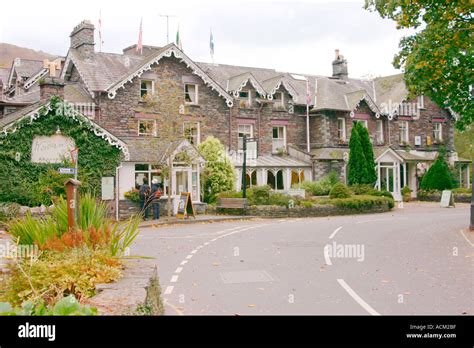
275, 147
152, 87
148, 173
279, 103
343, 136
379, 137
190, 124
196, 94
245, 131
247, 100
404, 132
421, 101
153, 132
437, 131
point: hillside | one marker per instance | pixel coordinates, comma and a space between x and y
9, 52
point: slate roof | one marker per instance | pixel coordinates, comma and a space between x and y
273, 161
26, 68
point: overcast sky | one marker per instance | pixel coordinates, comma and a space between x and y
296, 36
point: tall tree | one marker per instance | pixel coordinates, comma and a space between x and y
368, 151
438, 177
357, 164
438, 59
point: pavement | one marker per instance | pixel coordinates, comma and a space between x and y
172, 220
415, 260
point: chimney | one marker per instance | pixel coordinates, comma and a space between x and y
50, 86
339, 67
82, 38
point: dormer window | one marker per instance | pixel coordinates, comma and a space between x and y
147, 88
244, 99
279, 100
190, 93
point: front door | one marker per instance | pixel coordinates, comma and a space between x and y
182, 181
389, 179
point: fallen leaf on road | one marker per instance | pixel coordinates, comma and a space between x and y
195, 284
386, 281
407, 293
251, 305
261, 289
216, 264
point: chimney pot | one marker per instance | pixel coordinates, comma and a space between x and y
82, 38
339, 67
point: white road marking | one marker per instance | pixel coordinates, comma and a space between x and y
169, 290
335, 231
188, 257
178, 270
376, 220
357, 298
183, 262
174, 279
176, 309
198, 247
194, 251
326, 255
462, 232
213, 240
207, 243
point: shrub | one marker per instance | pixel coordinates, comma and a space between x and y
462, 190
279, 199
67, 306
340, 191
439, 176
406, 193
316, 188
360, 202
133, 195
55, 275
368, 154
357, 166
361, 189
306, 204
230, 194
259, 195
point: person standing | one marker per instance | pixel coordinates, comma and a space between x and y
144, 197
155, 195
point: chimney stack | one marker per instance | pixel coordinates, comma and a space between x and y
339, 67
82, 39
50, 86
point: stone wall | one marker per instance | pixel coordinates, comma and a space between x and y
300, 211
323, 168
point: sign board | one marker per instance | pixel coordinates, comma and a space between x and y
51, 149
67, 170
185, 206
296, 192
107, 188
447, 199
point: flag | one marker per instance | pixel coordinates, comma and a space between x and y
140, 39
308, 93
100, 31
178, 40
211, 45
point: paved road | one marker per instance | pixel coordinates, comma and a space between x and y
414, 260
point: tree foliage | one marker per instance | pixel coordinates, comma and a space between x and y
218, 175
438, 58
357, 163
439, 176
368, 153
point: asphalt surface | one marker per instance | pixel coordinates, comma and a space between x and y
415, 260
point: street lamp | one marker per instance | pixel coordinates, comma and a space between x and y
244, 164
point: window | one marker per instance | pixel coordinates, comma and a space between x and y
279, 100
421, 102
341, 129
191, 132
190, 93
149, 171
147, 88
275, 181
438, 132
278, 138
244, 129
297, 177
251, 179
147, 127
403, 128
379, 132
244, 97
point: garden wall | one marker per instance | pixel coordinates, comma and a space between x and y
299, 211
436, 197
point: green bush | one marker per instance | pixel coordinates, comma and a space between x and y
357, 166
259, 195
340, 191
306, 204
361, 189
279, 199
316, 188
462, 190
133, 195
439, 176
67, 306
230, 194
361, 202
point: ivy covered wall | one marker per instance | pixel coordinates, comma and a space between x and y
33, 184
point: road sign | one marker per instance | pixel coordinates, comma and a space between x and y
67, 170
